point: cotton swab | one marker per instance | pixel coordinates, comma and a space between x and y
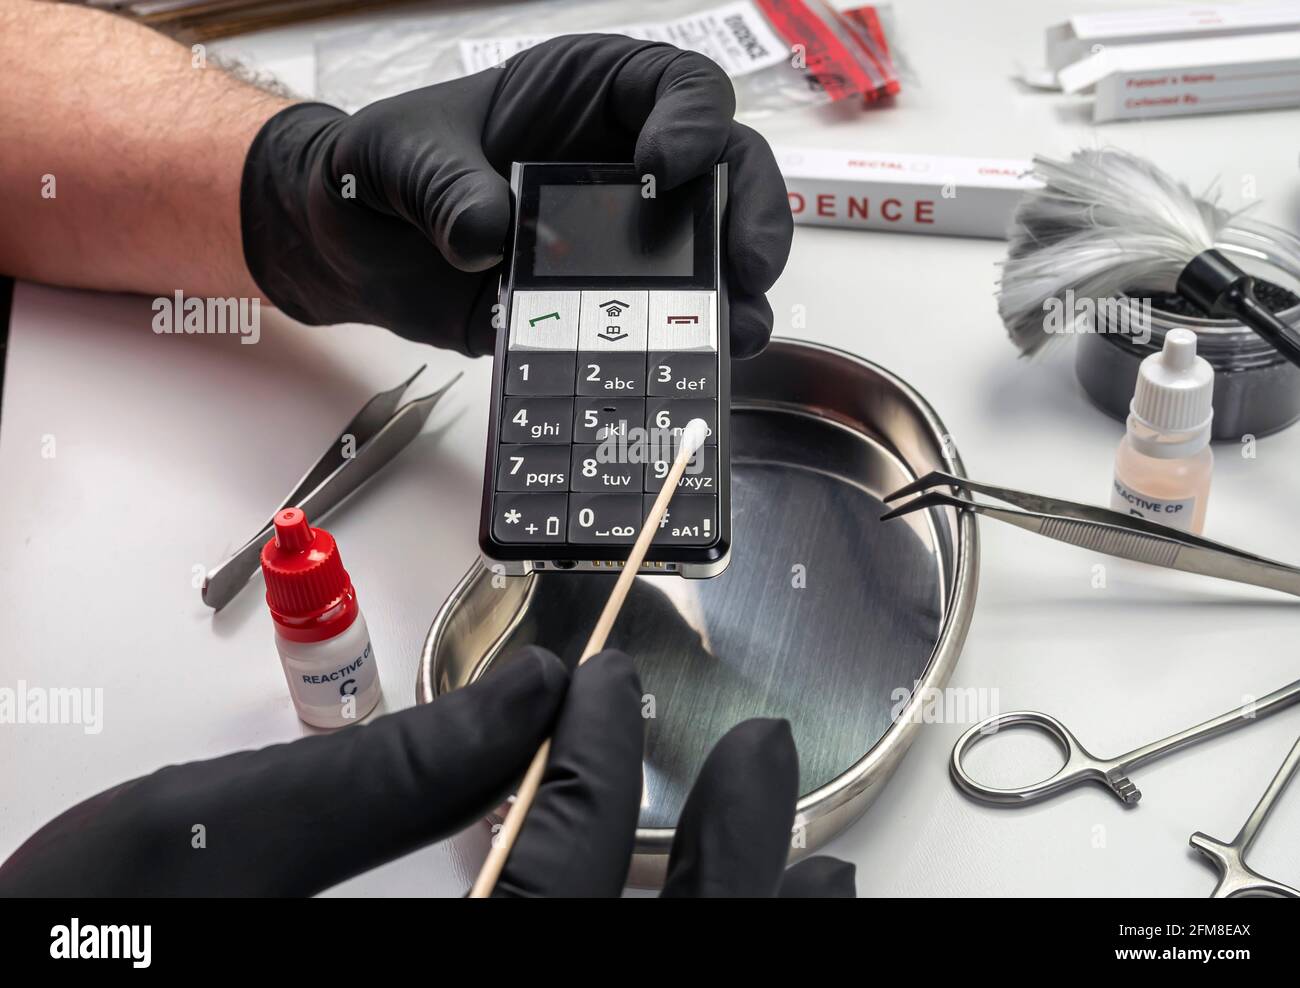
693, 437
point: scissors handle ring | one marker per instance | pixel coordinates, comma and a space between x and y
1079, 765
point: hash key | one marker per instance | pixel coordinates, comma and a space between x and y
691, 519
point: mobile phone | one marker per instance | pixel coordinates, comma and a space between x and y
612, 335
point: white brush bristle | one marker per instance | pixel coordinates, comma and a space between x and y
1104, 223
694, 435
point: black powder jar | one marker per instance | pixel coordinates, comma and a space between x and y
1256, 389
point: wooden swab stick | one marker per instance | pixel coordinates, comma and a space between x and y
693, 437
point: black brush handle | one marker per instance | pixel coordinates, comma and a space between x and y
1222, 289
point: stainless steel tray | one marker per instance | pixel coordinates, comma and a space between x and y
826, 617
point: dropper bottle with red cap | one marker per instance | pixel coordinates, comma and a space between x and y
322, 638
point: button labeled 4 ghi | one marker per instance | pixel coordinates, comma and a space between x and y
537, 420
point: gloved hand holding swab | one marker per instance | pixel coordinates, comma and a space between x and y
692, 438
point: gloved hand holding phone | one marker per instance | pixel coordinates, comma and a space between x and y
297, 818
397, 215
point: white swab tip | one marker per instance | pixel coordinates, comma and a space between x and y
694, 435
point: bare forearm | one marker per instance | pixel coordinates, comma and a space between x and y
121, 158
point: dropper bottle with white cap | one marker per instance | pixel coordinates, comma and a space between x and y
1164, 462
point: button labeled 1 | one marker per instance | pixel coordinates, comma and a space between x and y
540, 372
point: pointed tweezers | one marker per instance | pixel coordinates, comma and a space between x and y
377, 433
1103, 530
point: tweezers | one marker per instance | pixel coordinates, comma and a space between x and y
1102, 530
374, 435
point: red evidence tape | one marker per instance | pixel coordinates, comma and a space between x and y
828, 59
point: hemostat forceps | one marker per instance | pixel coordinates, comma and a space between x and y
1082, 766
377, 433
1103, 530
1235, 876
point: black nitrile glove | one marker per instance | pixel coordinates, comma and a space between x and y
415, 248
297, 818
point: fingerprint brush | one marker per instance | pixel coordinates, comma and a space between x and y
1107, 222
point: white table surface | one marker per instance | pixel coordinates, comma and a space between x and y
170, 449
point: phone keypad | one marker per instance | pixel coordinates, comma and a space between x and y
586, 372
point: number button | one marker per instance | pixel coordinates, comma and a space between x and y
591, 473
530, 517
683, 375
699, 477
598, 419
611, 374
673, 414
537, 420
691, 519
538, 372
533, 468
604, 519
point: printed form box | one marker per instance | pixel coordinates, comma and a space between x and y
905, 193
